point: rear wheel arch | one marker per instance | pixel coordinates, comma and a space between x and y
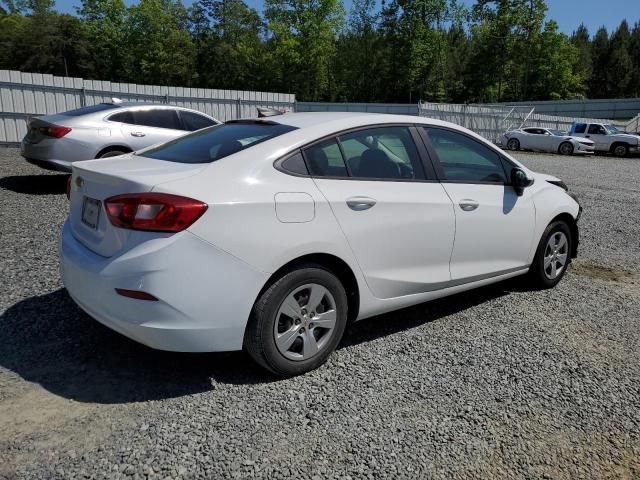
113, 148
329, 262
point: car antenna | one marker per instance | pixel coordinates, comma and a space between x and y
268, 112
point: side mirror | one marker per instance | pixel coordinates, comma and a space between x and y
520, 181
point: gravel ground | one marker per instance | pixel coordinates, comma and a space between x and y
500, 382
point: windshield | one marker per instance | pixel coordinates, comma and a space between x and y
612, 128
213, 143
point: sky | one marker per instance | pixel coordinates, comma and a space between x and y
567, 13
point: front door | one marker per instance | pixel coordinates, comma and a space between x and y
494, 226
398, 222
598, 135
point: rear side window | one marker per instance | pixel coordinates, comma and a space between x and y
158, 118
211, 144
90, 109
325, 160
383, 152
123, 117
295, 164
580, 128
192, 121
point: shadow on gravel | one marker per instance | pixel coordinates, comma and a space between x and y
52, 184
50, 341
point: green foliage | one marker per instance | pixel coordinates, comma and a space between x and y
301, 44
399, 51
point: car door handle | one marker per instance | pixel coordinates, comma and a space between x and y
359, 204
137, 134
587, 136
468, 205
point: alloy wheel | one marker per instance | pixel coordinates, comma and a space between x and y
556, 255
305, 322
566, 149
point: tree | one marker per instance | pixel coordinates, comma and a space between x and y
301, 44
582, 42
634, 51
619, 67
598, 83
46, 42
160, 44
555, 72
359, 62
105, 24
228, 43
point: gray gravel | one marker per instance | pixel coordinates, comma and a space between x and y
501, 382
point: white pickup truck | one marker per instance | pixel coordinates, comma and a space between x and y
607, 138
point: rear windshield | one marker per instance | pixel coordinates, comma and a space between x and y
91, 109
214, 143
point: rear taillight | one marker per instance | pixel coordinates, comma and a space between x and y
54, 131
155, 212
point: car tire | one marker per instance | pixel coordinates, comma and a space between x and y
553, 256
513, 144
112, 153
283, 327
565, 148
620, 150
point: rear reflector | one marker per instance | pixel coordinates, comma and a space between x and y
54, 131
154, 212
138, 295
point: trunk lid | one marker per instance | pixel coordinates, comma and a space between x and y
33, 128
93, 181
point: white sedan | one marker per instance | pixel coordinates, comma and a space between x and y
547, 140
272, 234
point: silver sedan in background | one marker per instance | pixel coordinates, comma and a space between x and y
546, 140
104, 130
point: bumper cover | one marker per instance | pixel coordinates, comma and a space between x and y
205, 295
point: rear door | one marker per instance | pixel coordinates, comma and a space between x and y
397, 218
494, 226
143, 127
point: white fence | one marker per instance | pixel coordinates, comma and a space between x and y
23, 95
492, 122
395, 108
615, 108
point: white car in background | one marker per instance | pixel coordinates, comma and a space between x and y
547, 140
271, 234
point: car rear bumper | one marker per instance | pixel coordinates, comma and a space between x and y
55, 154
204, 295
56, 165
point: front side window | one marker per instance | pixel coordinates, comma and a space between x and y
463, 159
595, 129
157, 117
211, 144
384, 152
192, 121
